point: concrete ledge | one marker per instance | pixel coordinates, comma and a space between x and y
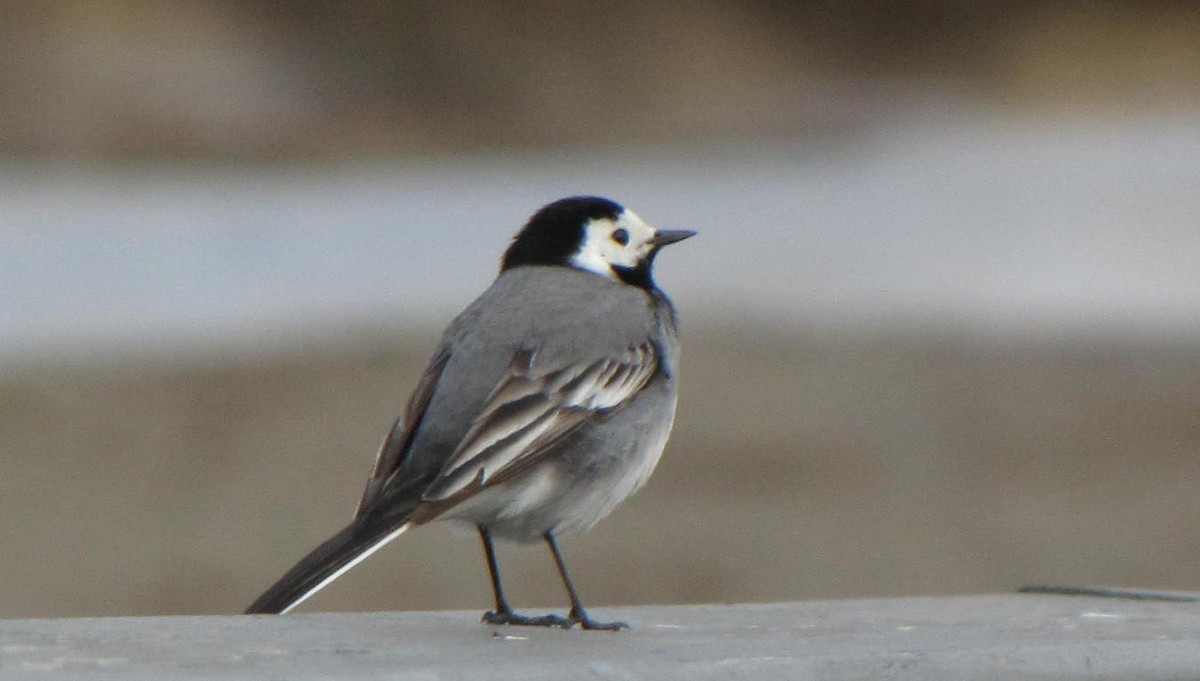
1013, 636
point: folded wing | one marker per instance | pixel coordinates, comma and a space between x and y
529, 412
395, 447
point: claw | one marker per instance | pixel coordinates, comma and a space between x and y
590, 624
493, 617
602, 626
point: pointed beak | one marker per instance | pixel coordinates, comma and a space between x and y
670, 236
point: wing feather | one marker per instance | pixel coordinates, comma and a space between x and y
395, 447
528, 412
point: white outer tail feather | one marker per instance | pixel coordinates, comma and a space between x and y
342, 570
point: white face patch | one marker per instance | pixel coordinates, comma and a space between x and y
602, 247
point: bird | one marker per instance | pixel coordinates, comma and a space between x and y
548, 401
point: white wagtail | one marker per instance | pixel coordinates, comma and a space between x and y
547, 403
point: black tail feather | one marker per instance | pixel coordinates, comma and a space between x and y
322, 564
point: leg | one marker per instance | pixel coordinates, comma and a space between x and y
503, 614
578, 614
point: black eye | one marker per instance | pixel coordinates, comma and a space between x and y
620, 236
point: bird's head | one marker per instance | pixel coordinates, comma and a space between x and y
593, 234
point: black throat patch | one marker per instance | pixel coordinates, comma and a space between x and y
638, 275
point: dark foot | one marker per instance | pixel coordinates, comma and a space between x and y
510, 617
586, 622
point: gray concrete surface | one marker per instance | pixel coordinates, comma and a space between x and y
1018, 636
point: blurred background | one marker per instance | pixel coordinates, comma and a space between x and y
941, 330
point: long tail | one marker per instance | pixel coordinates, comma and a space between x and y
354, 544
